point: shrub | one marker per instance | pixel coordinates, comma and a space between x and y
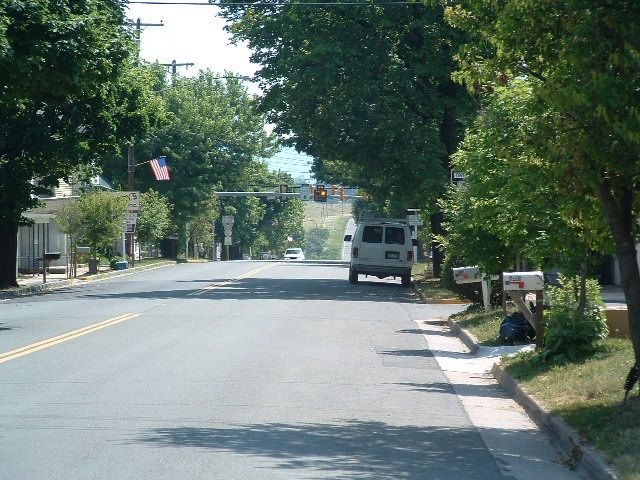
571, 330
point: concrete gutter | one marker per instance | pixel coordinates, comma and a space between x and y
57, 284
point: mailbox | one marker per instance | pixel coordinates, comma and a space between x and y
48, 256
467, 275
523, 280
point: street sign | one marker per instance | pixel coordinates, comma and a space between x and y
414, 220
457, 177
227, 241
305, 193
131, 218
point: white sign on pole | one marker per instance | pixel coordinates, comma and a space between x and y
134, 200
227, 241
414, 220
305, 193
227, 220
131, 218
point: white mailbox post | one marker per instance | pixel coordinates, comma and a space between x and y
515, 282
472, 275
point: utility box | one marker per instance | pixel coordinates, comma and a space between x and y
524, 281
467, 275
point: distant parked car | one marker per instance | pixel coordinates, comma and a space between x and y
294, 254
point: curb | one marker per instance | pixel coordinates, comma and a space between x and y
470, 341
43, 287
581, 455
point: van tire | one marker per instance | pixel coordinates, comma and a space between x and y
353, 276
406, 280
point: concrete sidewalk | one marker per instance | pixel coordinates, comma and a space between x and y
33, 284
493, 400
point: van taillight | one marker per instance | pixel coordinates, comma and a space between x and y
409, 255
354, 253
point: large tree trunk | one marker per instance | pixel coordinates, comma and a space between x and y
8, 251
619, 215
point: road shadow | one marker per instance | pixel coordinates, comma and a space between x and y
274, 289
351, 449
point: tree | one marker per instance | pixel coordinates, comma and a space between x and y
154, 219
581, 57
63, 88
514, 203
95, 219
363, 85
211, 136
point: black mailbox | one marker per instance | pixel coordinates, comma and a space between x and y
48, 256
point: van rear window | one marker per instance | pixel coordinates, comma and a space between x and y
394, 235
372, 234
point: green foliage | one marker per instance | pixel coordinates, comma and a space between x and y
317, 239
572, 329
365, 90
154, 219
68, 96
580, 58
95, 219
212, 136
515, 201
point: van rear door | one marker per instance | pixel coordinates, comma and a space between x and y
370, 249
395, 246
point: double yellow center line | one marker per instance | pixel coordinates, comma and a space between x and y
213, 286
50, 342
65, 337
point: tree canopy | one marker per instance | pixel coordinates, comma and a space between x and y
581, 58
366, 86
66, 75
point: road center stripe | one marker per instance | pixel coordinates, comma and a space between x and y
34, 347
213, 286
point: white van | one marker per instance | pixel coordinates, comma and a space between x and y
381, 248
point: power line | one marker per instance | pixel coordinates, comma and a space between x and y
273, 4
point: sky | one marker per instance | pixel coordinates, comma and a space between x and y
195, 34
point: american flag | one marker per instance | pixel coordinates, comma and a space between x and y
160, 168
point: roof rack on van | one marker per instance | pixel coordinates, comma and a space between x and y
383, 220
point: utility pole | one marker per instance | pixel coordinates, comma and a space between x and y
131, 168
174, 66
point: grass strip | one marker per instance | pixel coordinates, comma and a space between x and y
431, 286
587, 393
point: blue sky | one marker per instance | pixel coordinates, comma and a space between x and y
194, 34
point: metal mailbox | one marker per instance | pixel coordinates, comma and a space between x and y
467, 275
523, 281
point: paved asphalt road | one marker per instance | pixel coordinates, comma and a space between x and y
234, 370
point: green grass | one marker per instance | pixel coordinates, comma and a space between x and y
587, 394
485, 326
333, 218
431, 286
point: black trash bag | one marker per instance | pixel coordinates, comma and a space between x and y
516, 328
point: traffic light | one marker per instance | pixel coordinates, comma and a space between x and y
283, 189
342, 194
334, 189
320, 194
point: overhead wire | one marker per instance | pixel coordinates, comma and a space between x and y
273, 4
